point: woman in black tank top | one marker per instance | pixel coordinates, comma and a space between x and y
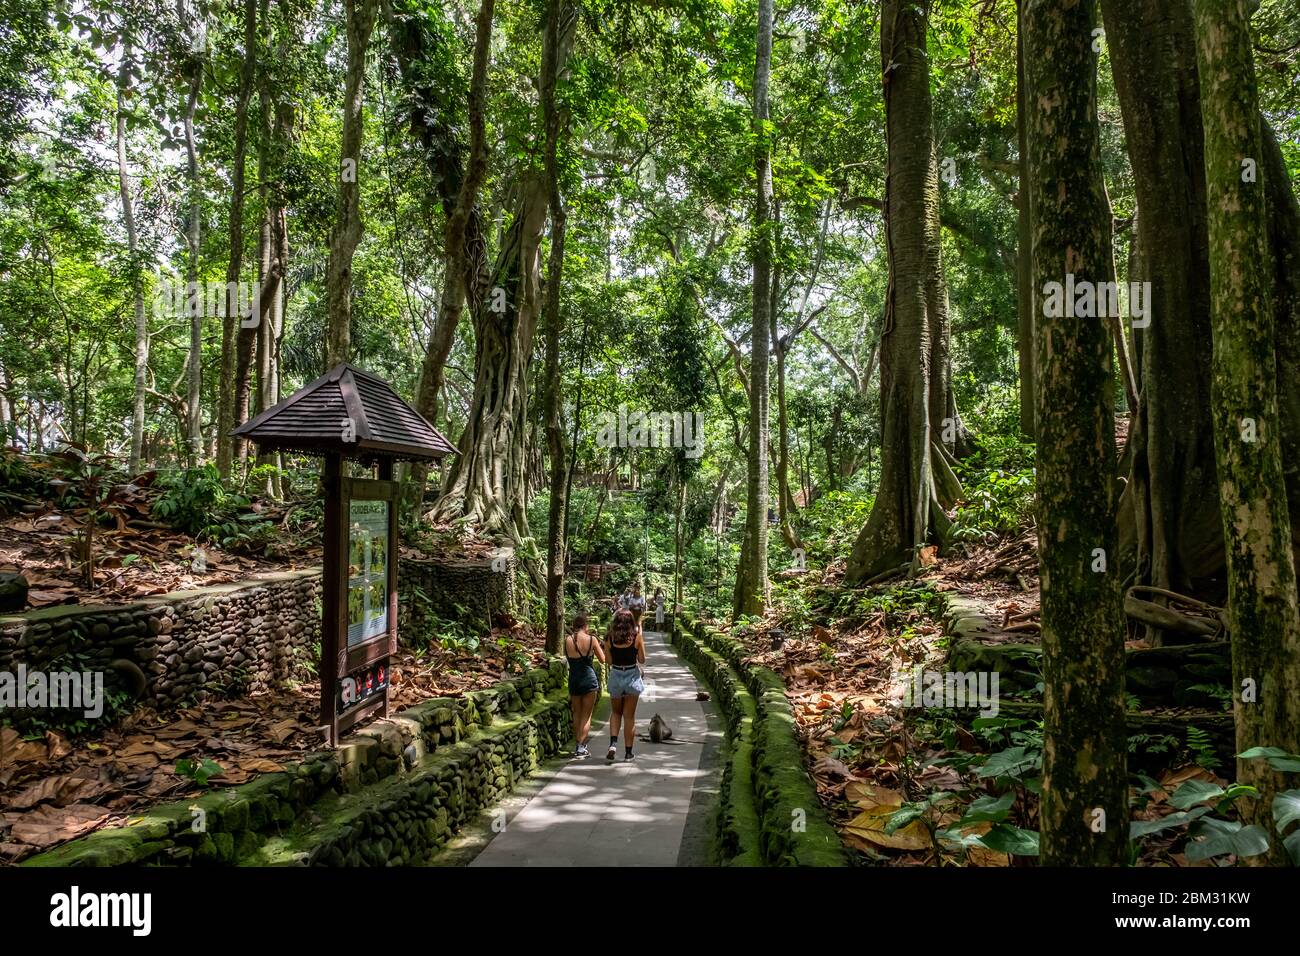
579, 649
626, 656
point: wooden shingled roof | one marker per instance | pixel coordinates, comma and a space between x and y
315, 419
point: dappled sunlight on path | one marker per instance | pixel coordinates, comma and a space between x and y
594, 813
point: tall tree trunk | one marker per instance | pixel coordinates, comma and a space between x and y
230, 338
909, 501
1284, 241
250, 332
785, 497
487, 481
137, 278
193, 238
252, 352
948, 432
781, 346
679, 544
1084, 808
561, 19
8, 421
465, 270
1024, 242
751, 579
1262, 613
272, 321
348, 227
1169, 513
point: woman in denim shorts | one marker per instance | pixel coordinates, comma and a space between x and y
580, 648
625, 651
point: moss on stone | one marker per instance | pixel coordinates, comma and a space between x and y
762, 735
283, 818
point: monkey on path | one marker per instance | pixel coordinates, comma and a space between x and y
661, 733
659, 730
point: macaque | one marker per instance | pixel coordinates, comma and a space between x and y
659, 730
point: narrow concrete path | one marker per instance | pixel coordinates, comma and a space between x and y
653, 811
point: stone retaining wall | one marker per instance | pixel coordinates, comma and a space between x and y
389, 795
792, 826
225, 639
455, 590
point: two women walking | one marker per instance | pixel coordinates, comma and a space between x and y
624, 651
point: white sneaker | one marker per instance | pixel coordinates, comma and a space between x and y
612, 753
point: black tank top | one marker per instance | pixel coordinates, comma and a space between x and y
623, 656
585, 658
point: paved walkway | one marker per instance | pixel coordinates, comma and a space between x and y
653, 811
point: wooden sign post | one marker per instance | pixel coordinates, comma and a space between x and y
358, 595
349, 415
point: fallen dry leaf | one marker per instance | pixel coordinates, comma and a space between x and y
60, 791
282, 730
49, 825
13, 749
870, 826
866, 796
50, 597
832, 767
57, 745
259, 765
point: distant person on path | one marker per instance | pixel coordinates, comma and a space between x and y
659, 607
579, 649
626, 655
636, 604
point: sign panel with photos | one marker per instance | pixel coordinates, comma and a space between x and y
367, 570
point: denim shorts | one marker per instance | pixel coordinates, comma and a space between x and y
625, 682
583, 680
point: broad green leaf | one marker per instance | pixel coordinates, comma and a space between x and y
992, 809
1141, 828
1256, 752
1280, 760
1148, 784
1011, 762
955, 837
905, 815
1008, 839
1193, 792
1212, 837
1286, 809
1292, 844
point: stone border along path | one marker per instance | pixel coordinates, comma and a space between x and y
657, 810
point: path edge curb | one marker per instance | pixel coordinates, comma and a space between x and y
793, 828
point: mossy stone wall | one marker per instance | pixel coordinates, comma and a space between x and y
792, 828
390, 794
